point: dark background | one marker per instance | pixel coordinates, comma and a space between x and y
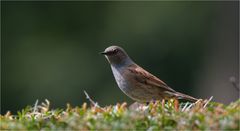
49, 50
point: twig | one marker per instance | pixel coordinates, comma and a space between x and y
35, 106
208, 101
92, 102
191, 105
234, 83
183, 109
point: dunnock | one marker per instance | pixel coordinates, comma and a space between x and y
136, 82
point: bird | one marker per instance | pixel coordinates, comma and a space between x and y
137, 83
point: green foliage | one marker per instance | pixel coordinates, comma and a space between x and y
215, 116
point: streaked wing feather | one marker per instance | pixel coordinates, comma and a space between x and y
146, 77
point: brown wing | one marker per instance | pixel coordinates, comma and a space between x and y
145, 77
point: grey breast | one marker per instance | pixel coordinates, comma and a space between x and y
121, 81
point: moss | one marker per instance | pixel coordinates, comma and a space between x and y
215, 116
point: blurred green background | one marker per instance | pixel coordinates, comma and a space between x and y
50, 49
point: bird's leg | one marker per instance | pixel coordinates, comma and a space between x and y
163, 103
176, 104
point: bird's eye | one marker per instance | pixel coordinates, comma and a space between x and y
112, 52
115, 51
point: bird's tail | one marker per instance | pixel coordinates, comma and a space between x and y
185, 97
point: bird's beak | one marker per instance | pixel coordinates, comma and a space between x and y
103, 53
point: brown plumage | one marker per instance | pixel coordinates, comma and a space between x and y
136, 82
147, 80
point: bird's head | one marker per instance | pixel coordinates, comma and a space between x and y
116, 55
